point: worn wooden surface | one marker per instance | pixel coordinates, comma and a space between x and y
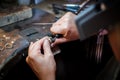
12, 38
14, 15
13, 33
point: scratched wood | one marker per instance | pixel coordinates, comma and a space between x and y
15, 14
10, 56
11, 38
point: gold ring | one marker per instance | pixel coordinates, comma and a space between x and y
8, 45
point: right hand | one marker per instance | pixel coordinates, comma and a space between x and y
41, 59
67, 27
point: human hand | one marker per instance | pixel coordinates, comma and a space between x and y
40, 58
66, 26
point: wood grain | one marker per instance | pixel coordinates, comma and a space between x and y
14, 15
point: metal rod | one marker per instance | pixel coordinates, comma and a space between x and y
37, 24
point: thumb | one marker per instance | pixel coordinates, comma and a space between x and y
47, 47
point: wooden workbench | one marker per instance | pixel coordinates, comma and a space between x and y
16, 34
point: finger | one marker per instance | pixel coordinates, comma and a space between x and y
27, 60
39, 42
36, 47
59, 41
57, 29
30, 46
46, 47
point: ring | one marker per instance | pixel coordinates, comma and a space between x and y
8, 45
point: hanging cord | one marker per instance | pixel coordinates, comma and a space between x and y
99, 45
94, 46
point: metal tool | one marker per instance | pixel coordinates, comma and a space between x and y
74, 8
91, 20
54, 37
37, 24
82, 6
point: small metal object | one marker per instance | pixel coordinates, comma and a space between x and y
82, 6
4, 36
37, 24
24, 2
74, 8
2, 40
54, 37
37, 39
8, 45
51, 39
56, 50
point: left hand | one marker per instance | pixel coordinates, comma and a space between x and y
67, 27
42, 64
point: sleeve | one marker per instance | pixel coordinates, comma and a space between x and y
91, 20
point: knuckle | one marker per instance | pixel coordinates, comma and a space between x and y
54, 24
68, 13
32, 56
50, 55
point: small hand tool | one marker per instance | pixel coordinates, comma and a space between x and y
74, 8
54, 37
37, 24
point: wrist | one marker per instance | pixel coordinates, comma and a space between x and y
47, 77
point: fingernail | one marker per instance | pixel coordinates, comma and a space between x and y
31, 42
